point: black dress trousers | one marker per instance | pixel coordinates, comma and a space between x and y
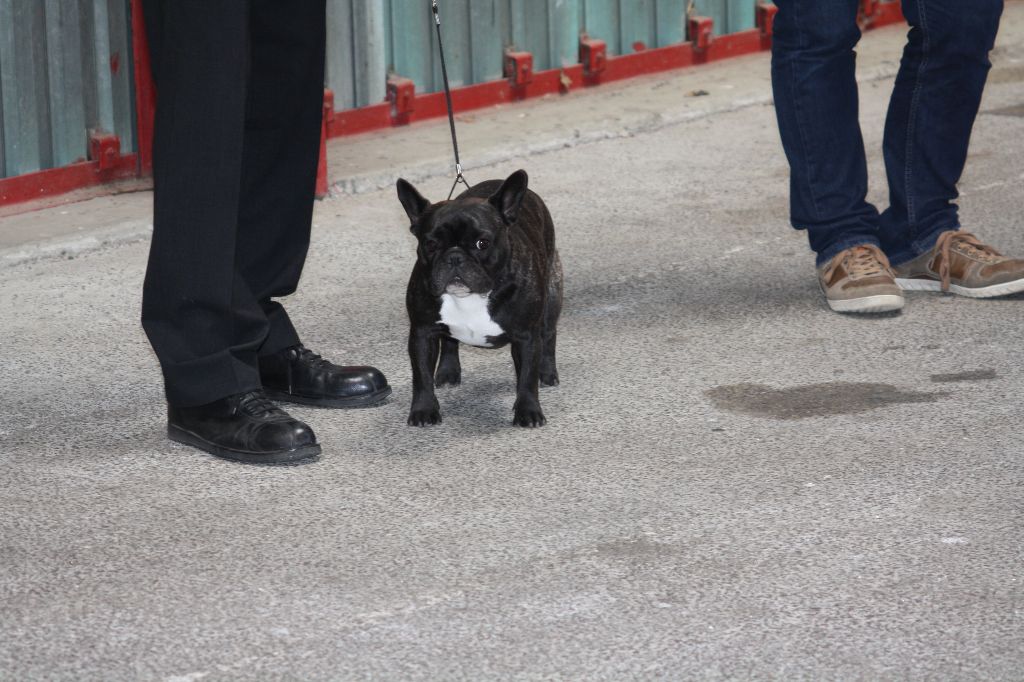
239, 101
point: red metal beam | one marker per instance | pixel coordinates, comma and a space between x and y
883, 14
47, 183
145, 90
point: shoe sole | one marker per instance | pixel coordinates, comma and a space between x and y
883, 303
368, 400
180, 435
1004, 289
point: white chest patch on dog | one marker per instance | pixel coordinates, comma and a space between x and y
468, 319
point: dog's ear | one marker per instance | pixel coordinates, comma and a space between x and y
412, 201
509, 196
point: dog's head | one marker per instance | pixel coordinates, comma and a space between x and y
464, 242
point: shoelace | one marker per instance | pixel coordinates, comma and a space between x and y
965, 243
308, 356
256, 404
860, 261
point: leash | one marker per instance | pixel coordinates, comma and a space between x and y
459, 177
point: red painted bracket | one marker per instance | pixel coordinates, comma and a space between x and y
874, 13
518, 68
326, 123
765, 17
329, 113
887, 13
593, 56
145, 89
701, 31
401, 95
104, 148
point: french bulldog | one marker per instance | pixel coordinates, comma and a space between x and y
487, 274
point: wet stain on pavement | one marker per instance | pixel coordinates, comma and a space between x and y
816, 400
973, 375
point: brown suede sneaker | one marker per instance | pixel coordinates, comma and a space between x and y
859, 280
961, 264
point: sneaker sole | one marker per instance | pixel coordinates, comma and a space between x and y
180, 435
883, 303
368, 400
1004, 289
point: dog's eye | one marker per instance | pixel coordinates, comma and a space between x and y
482, 244
430, 245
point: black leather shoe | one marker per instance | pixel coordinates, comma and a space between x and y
246, 427
298, 375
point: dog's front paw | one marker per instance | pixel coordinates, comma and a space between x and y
549, 378
528, 416
425, 416
447, 376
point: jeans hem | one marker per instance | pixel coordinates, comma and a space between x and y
830, 252
919, 246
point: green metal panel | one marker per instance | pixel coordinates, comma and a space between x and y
115, 88
65, 84
670, 16
458, 55
22, 71
412, 42
369, 51
741, 16
716, 9
65, 67
636, 24
489, 21
340, 63
530, 30
564, 33
601, 21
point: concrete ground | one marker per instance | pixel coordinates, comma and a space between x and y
734, 482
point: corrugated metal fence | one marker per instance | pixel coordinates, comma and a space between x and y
65, 68
65, 65
369, 38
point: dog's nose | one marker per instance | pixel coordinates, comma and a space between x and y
455, 259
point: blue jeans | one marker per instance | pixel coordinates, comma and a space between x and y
927, 129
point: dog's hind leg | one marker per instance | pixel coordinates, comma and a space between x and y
548, 369
549, 333
449, 369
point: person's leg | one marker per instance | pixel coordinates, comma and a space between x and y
934, 103
281, 150
816, 102
282, 147
202, 320
200, 315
